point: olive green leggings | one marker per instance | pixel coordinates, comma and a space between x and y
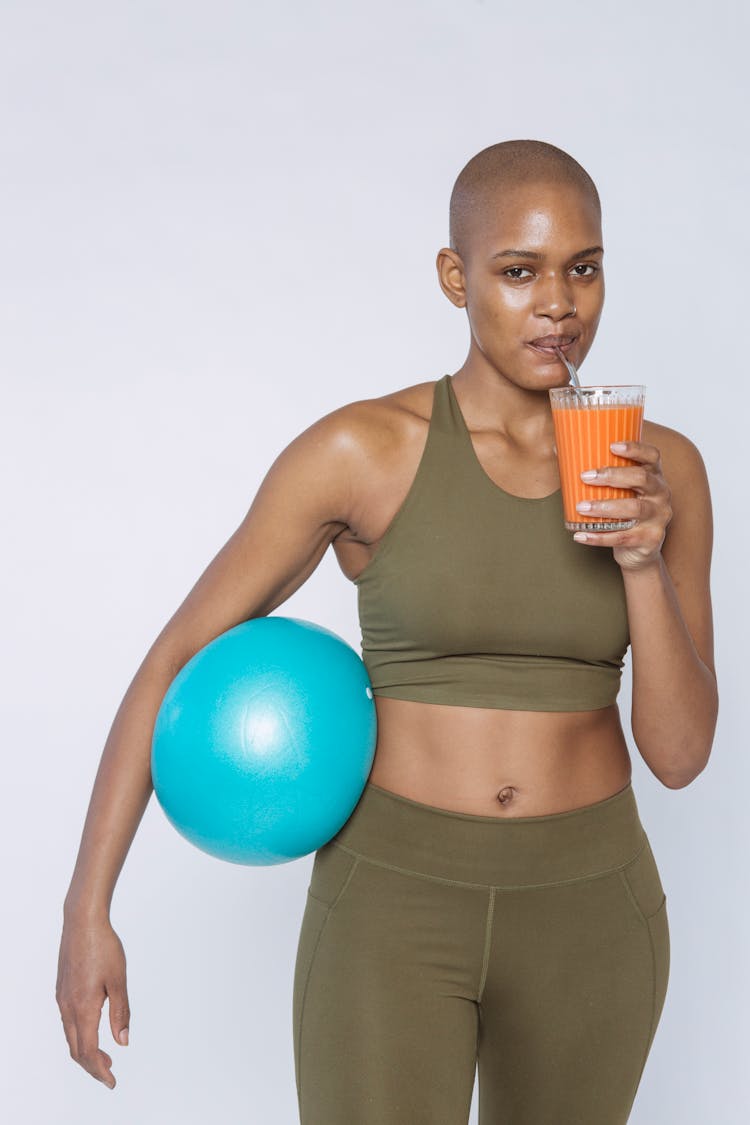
433, 943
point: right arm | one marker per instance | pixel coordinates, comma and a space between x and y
303, 502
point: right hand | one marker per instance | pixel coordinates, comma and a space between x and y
91, 966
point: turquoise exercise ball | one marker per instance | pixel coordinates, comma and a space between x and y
264, 741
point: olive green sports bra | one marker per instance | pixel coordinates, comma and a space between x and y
479, 598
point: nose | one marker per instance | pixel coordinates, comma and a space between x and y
555, 298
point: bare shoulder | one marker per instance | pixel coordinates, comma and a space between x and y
682, 463
384, 437
382, 418
684, 470
378, 431
346, 443
688, 542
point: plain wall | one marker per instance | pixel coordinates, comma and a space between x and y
220, 222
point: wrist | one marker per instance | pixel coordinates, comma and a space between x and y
648, 567
84, 911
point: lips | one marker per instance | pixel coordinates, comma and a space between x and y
552, 341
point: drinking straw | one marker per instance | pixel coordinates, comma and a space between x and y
571, 369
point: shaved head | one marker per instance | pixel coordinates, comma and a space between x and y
502, 168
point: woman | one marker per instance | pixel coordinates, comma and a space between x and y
493, 898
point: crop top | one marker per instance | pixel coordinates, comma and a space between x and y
477, 597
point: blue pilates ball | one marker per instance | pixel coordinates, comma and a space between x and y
264, 741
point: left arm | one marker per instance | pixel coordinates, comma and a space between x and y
667, 587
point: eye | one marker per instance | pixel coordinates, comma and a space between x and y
516, 270
586, 266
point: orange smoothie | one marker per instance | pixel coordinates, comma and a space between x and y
583, 434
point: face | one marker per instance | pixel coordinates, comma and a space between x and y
551, 284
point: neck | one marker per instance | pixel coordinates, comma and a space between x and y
489, 400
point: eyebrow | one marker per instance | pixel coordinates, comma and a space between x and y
536, 257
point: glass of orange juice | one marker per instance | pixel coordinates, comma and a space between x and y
586, 420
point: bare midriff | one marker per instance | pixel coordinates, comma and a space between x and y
491, 762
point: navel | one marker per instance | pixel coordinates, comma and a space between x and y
506, 794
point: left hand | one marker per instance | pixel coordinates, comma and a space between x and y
640, 545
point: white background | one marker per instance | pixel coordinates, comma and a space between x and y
220, 222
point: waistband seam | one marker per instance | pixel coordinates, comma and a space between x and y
454, 814
489, 886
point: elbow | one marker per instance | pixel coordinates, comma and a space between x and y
681, 782
677, 765
680, 778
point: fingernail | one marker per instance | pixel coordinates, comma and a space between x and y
580, 536
618, 446
584, 505
589, 474
124, 1036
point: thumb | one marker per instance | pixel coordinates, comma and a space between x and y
119, 1013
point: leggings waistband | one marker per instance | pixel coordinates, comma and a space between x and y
485, 851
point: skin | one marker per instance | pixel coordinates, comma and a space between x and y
342, 480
